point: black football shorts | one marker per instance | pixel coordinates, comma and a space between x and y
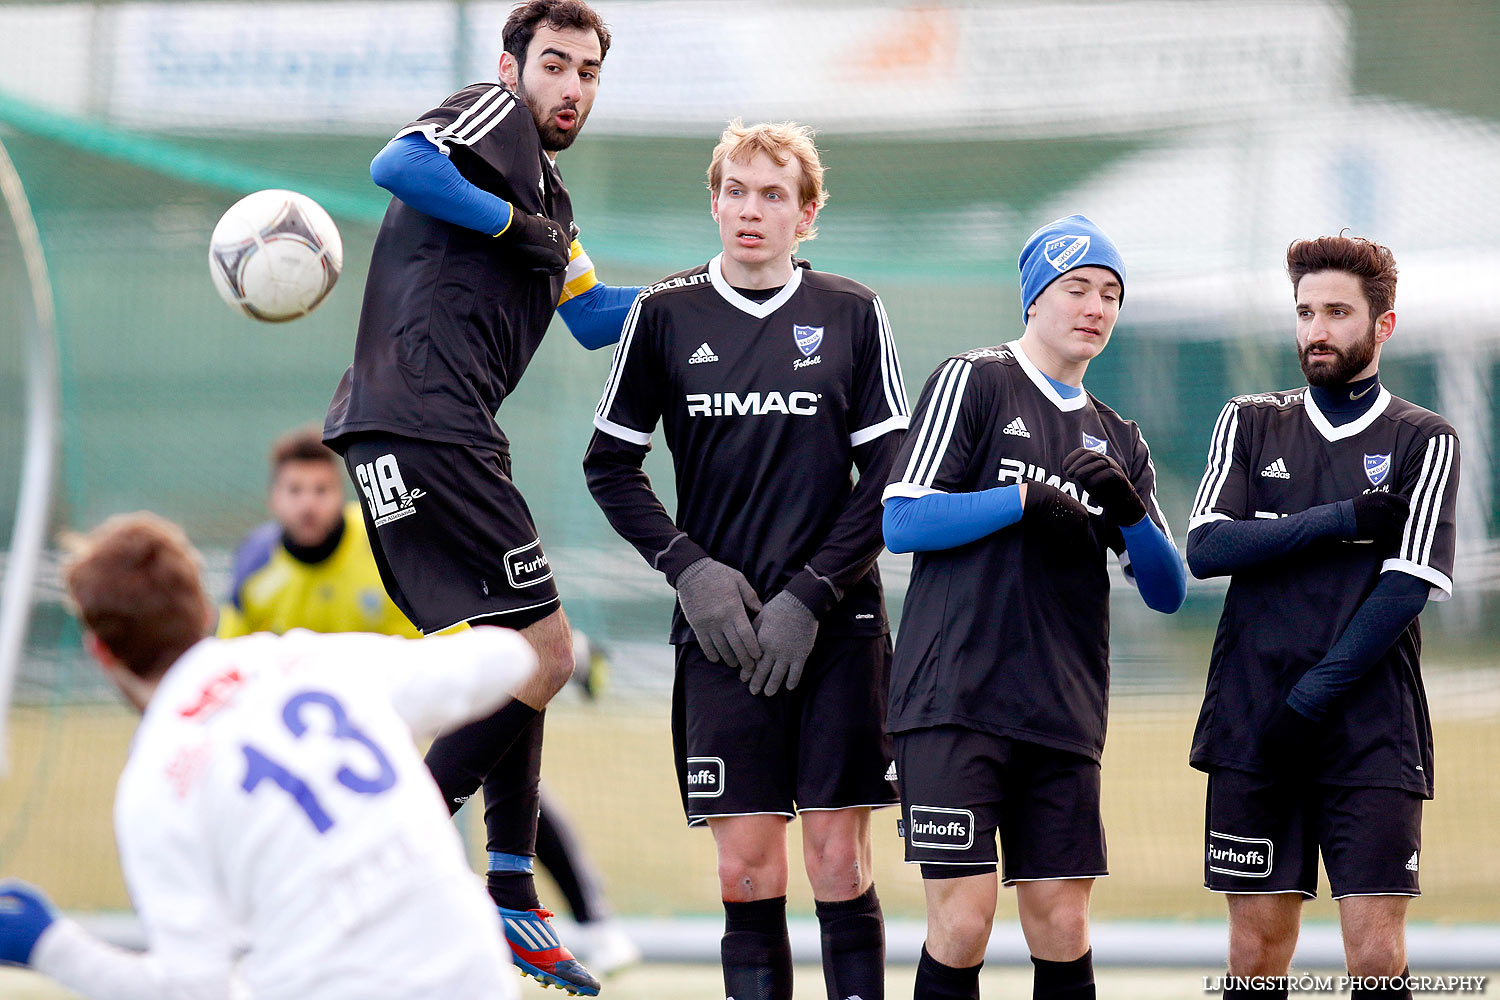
1263, 835
960, 787
452, 536
821, 746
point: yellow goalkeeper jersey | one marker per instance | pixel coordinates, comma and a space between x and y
274, 591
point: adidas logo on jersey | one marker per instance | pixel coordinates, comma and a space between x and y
890, 772
1411, 862
1276, 470
1018, 428
703, 355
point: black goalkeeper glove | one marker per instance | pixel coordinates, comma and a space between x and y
537, 241
1287, 744
1380, 517
1106, 482
1051, 512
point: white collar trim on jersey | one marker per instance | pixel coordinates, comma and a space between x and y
1332, 433
1046, 388
760, 310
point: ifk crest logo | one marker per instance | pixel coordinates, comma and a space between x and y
1095, 444
1377, 467
808, 338
1062, 252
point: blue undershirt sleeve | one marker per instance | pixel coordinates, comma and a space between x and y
1220, 548
1392, 606
1159, 574
597, 317
947, 520
417, 172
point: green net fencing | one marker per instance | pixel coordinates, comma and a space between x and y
1203, 137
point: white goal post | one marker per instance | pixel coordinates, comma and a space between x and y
38, 333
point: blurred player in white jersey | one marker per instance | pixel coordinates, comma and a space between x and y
278, 831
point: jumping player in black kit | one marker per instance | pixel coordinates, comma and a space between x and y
474, 256
771, 381
1331, 510
1011, 485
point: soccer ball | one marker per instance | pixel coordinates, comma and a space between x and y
275, 255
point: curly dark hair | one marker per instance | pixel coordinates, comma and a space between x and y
559, 15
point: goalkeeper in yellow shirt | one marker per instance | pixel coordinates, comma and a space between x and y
311, 567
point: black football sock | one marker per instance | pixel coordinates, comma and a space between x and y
756, 951
853, 946
460, 760
560, 853
1386, 987
1063, 980
936, 981
512, 799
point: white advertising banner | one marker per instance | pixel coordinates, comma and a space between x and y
685, 66
1032, 69
342, 65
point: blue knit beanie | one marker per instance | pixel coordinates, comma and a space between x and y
1060, 246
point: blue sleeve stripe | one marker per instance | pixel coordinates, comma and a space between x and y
596, 317
947, 520
1156, 565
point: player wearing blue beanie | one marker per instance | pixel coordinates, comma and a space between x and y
1059, 247
1013, 486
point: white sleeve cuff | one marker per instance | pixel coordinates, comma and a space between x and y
1203, 519
1442, 586
911, 490
897, 423
428, 129
621, 431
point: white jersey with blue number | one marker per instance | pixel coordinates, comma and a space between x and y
276, 825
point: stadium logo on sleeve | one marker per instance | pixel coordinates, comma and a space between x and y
1095, 444
704, 777
940, 828
1063, 251
1377, 467
808, 338
1247, 857
527, 565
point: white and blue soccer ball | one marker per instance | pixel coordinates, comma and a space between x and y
275, 255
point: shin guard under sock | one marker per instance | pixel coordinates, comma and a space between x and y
756, 950
853, 933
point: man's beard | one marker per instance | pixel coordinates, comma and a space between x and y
1343, 366
554, 139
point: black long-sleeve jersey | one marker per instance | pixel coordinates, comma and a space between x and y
765, 406
1274, 454
1006, 634
450, 320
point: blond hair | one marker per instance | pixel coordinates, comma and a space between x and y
782, 142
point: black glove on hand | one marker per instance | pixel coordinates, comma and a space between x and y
1287, 744
786, 630
1051, 511
1379, 517
1107, 483
714, 599
540, 243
